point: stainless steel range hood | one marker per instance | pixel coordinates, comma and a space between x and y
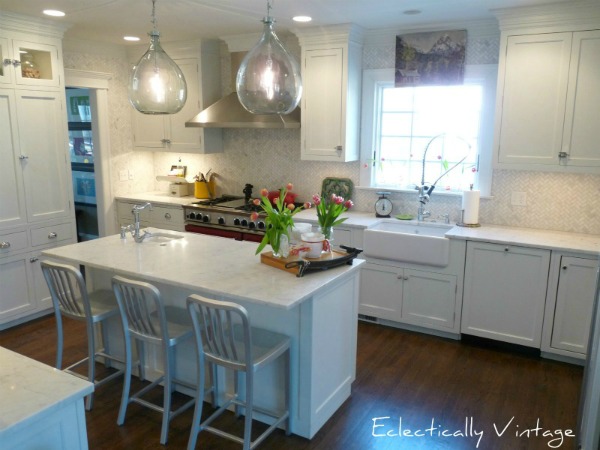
228, 112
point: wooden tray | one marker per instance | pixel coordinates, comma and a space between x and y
298, 266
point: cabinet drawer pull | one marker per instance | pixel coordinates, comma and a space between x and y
168, 216
4, 244
52, 235
34, 259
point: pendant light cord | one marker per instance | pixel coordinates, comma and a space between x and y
153, 20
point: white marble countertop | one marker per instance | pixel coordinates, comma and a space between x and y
203, 264
529, 237
29, 388
159, 198
553, 240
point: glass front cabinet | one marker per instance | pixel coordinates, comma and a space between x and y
29, 64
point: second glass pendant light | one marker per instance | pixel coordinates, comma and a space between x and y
269, 81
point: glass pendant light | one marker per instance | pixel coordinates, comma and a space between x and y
268, 81
157, 84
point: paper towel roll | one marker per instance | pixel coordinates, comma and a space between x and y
470, 207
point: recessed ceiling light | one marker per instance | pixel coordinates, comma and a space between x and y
131, 38
411, 12
302, 18
53, 13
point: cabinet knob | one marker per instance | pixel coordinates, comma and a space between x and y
4, 244
405, 278
338, 149
506, 249
563, 154
52, 235
34, 259
564, 267
165, 141
168, 216
6, 62
16, 62
23, 157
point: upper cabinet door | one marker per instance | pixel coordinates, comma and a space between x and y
38, 66
12, 205
44, 151
6, 63
536, 70
581, 131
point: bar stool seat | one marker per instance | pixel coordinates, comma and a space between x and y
225, 338
70, 298
146, 320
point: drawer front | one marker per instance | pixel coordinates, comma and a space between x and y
167, 216
12, 242
51, 234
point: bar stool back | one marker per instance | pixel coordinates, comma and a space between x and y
71, 299
146, 319
224, 337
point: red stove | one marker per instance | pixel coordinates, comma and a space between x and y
226, 216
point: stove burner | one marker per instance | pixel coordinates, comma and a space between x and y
216, 201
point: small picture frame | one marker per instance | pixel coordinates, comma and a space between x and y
178, 171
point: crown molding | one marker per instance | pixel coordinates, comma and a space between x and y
96, 80
342, 33
27, 24
566, 16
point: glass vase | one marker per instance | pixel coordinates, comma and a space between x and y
280, 245
328, 233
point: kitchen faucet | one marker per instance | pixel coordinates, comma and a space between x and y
134, 228
425, 191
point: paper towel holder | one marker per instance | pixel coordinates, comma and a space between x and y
461, 223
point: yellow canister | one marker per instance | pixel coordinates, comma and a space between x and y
201, 189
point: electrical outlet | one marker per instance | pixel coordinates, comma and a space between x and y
123, 175
130, 174
518, 199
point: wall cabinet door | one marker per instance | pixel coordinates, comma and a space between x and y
574, 304
505, 292
44, 148
381, 291
532, 98
581, 131
6, 67
38, 66
12, 207
429, 299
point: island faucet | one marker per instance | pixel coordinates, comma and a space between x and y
135, 227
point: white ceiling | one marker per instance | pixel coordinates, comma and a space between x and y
110, 20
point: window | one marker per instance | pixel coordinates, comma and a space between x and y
447, 130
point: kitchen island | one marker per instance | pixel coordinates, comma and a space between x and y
318, 311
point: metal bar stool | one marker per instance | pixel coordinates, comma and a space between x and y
224, 337
146, 319
71, 299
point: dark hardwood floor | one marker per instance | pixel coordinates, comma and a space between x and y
442, 393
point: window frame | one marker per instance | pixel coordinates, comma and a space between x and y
375, 79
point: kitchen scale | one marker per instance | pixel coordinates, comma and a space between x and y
383, 205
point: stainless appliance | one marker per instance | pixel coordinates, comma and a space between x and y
226, 216
589, 406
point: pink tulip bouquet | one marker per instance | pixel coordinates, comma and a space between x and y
328, 211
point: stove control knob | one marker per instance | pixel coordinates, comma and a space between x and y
221, 221
261, 225
198, 216
236, 221
191, 215
252, 225
244, 222
206, 218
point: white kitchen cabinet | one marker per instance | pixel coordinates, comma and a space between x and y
159, 216
404, 295
545, 111
569, 304
30, 61
168, 132
331, 78
505, 292
35, 176
13, 210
